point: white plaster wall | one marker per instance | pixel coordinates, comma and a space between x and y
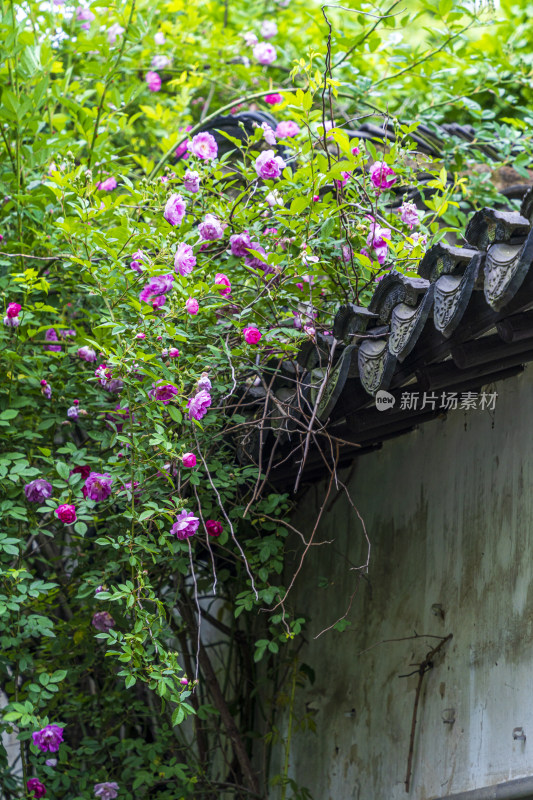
449, 511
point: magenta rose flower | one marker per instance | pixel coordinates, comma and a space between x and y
38, 491
106, 791
268, 165
186, 525
224, 282
204, 146
103, 621
184, 260
210, 228
381, 175
251, 335
191, 181
191, 306
199, 404
175, 209
239, 244
51, 336
273, 99
36, 788
13, 310
213, 527
264, 53
163, 392
188, 460
287, 129
66, 513
409, 215
98, 486
153, 81
48, 738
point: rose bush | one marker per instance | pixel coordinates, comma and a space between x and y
151, 274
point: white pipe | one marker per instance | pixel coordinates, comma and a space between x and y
521, 789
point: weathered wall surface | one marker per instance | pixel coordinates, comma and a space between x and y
449, 511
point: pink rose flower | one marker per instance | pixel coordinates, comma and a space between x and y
159, 37
250, 39
239, 244
85, 16
268, 29
204, 384
287, 129
191, 181
87, 353
51, 336
268, 134
409, 215
161, 61
114, 32
189, 460
107, 790
186, 525
255, 262
381, 175
158, 285
153, 81
376, 241
12, 322
274, 199
184, 260
107, 185
191, 306
174, 209
66, 513
210, 228
268, 165
98, 486
264, 53
204, 145
103, 621
251, 335
224, 282
199, 404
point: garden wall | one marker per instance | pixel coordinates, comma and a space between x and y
449, 511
